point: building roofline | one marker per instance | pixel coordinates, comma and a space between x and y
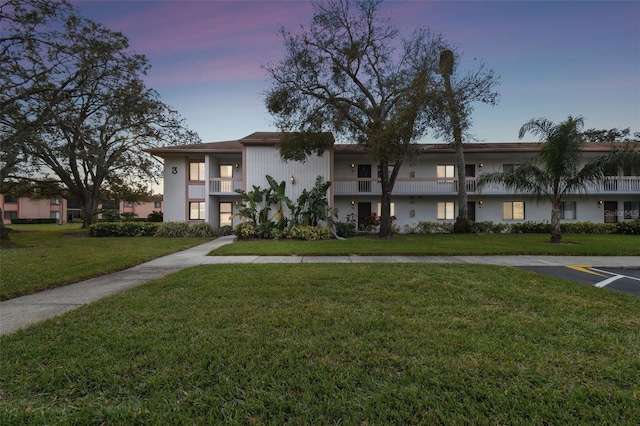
271, 139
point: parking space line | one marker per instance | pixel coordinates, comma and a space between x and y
608, 281
586, 269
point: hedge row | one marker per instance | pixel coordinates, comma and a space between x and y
247, 231
33, 221
628, 228
154, 229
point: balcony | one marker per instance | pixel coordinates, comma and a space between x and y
429, 186
224, 186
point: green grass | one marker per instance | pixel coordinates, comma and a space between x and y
320, 344
53, 255
444, 244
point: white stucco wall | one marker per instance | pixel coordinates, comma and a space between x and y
265, 160
174, 194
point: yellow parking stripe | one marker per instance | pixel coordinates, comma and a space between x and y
584, 268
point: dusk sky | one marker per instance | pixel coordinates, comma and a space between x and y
554, 58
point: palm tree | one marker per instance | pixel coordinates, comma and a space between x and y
558, 169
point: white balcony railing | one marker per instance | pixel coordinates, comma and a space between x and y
354, 186
224, 185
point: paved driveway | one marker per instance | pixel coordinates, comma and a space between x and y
616, 279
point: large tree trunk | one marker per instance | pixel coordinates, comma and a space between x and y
462, 225
555, 222
89, 205
4, 231
387, 181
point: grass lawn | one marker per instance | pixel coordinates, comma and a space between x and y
320, 344
53, 255
446, 244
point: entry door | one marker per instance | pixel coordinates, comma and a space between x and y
226, 210
610, 211
364, 211
471, 210
364, 171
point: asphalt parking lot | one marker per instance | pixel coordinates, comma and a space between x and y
615, 279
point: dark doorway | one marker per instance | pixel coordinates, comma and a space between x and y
364, 211
364, 171
610, 211
470, 172
471, 210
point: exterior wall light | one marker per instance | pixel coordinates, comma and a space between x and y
480, 203
353, 203
237, 166
293, 180
353, 166
600, 203
481, 165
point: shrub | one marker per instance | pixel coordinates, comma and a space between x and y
109, 215
434, 228
485, 227
588, 228
201, 230
123, 229
628, 228
244, 230
173, 230
307, 233
155, 217
530, 228
128, 217
345, 229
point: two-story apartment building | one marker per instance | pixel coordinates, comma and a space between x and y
200, 182
65, 211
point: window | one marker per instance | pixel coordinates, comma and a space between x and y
111, 205
10, 199
157, 204
446, 210
632, 210
512, 210
445, 172
54, 215
226, 210
392, 208
128, 204
568, 210
10, 215
196, 210
54, 202
226, 173
196, 171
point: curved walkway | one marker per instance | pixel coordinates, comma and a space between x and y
26, 310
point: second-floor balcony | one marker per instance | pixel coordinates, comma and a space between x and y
224, 185
427, 186
431, 186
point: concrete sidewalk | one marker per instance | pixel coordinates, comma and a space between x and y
26, 310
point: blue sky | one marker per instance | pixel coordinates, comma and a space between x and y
554, 58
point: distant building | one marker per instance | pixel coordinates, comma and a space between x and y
65, 211
200, 182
